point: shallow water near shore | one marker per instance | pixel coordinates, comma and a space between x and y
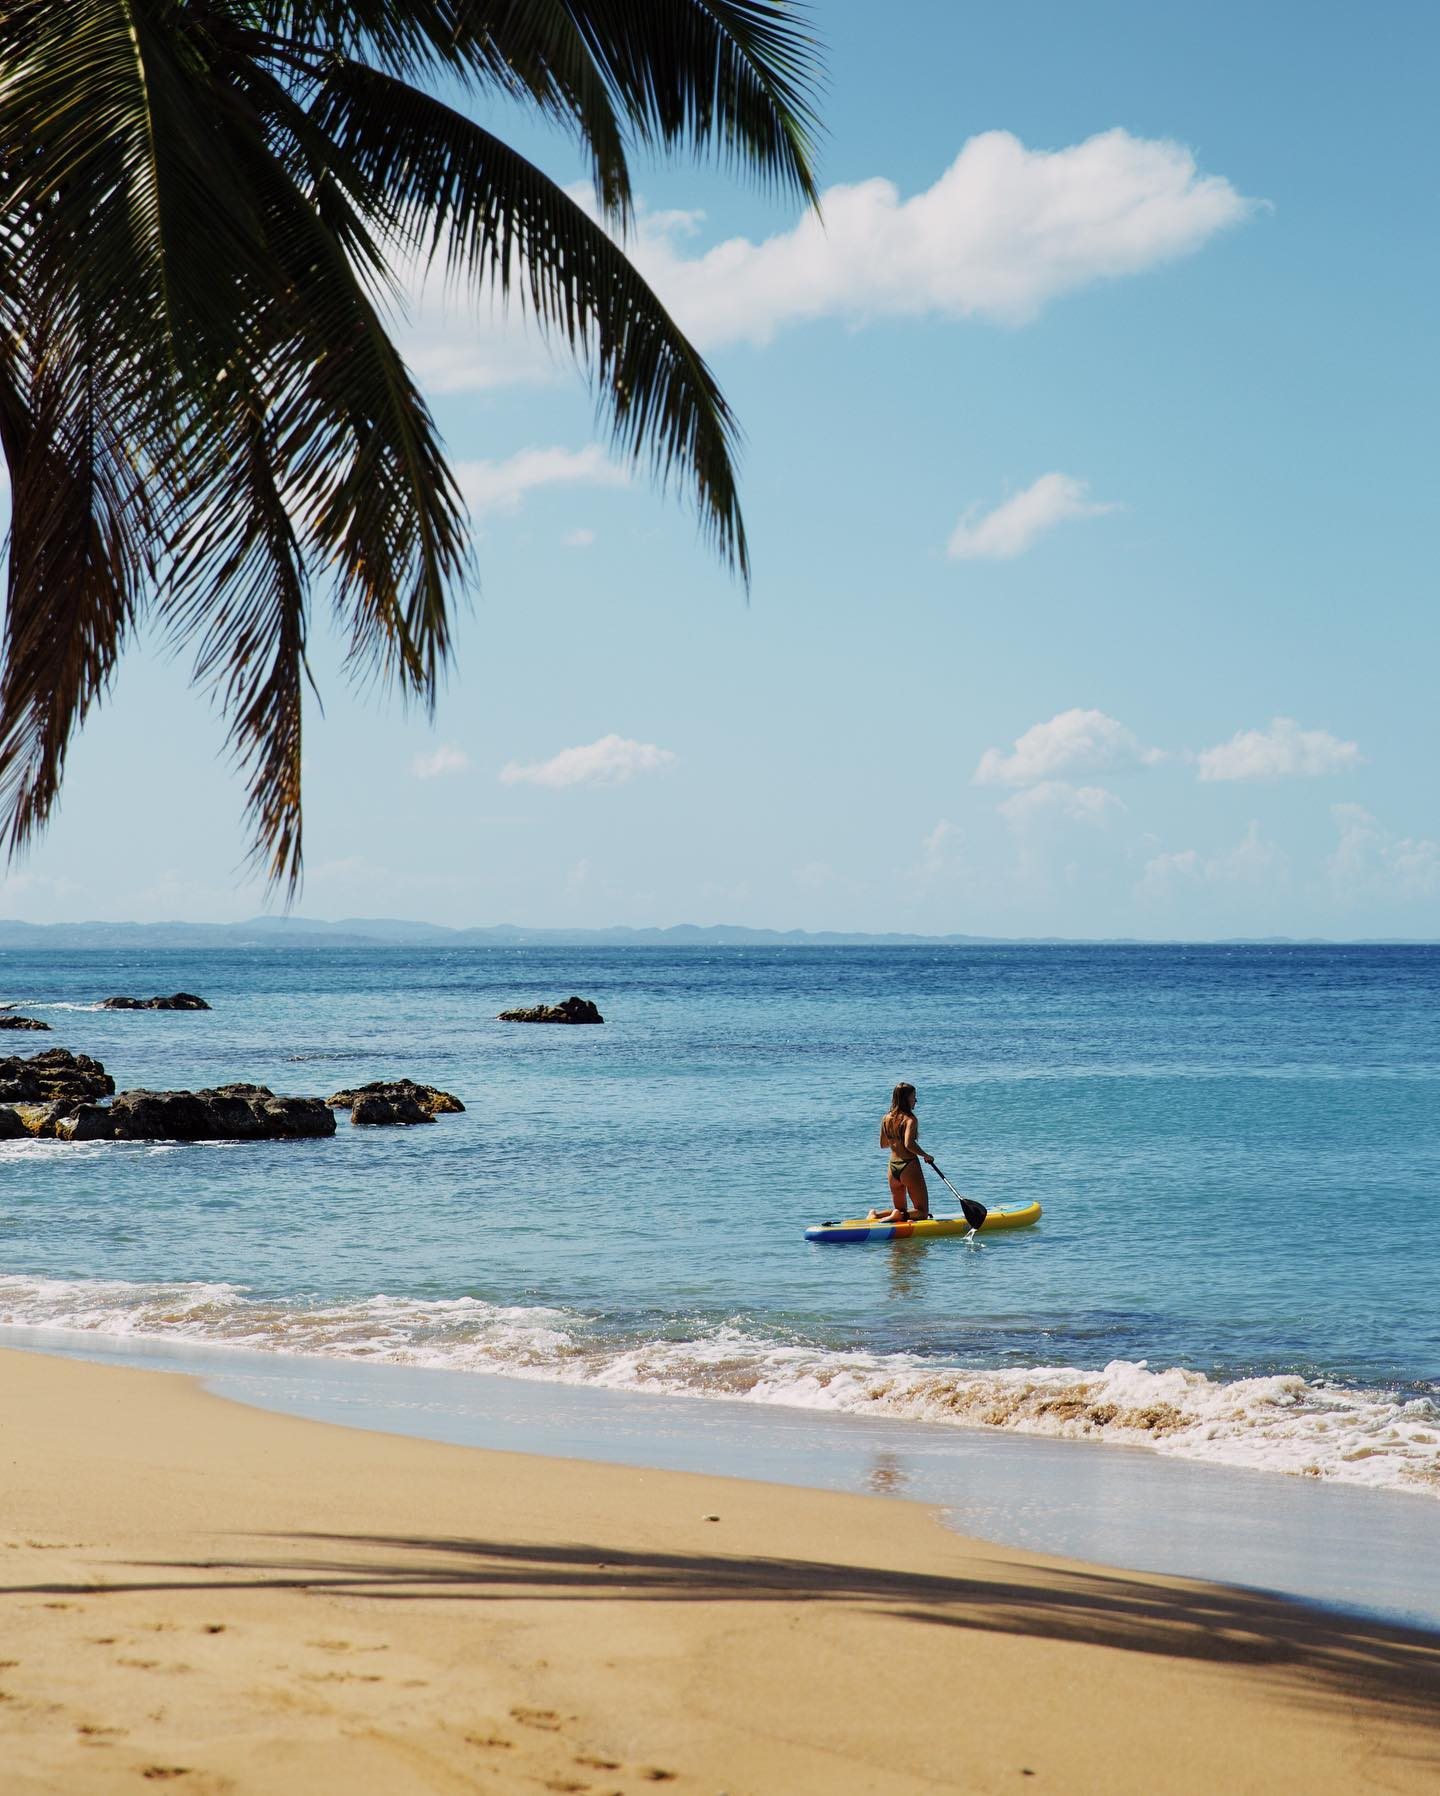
1237, 1149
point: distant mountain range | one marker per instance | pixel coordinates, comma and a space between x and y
391, 932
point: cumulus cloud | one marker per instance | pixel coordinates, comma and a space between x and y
1000, 233
1009, 529
1057, 798
1371, 862
609, 762
444, 760
1283, 751
1165, 874
1253, 861
934, 845
502, 485
1074, 741
453, 345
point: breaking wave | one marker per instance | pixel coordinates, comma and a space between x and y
1280, 1423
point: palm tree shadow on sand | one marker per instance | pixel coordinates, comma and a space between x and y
1312, 1655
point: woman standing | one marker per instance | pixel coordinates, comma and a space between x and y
900, 1134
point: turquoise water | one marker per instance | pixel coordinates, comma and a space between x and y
1237, 1149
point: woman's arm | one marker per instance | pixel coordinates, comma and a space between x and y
912, 1139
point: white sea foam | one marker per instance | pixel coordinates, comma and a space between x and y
1278, 1423
26, 1005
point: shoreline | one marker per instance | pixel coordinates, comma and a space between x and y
1374, 1553
232, 1600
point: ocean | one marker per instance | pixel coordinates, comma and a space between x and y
1237, 1149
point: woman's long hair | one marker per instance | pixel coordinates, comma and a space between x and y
902, 1104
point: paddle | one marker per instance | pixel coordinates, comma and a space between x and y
974, 1213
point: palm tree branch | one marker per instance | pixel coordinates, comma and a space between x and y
499, 219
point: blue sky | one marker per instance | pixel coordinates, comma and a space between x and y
1090, 477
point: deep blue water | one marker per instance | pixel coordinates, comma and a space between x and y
1237, 1149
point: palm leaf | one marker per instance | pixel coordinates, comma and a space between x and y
497, 218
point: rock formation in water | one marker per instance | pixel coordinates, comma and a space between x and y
573, 1010
55, 1075
399, 1092
8, 1020
378, 1111
176, 1001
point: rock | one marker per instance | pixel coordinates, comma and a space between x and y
225, 1113
54, 1076
573, 1010
372, 1108
84, 1122
22, 1022
66, 1121
178, 1001
431, 1100
11, 1127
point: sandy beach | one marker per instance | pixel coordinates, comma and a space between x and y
213, 1598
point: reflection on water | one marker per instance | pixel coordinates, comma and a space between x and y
886, 1476
905, 1270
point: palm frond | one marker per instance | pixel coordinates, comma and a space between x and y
496, 218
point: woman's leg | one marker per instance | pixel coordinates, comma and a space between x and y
914, 1185
896, 1212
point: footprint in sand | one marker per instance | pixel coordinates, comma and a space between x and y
95, 1735
543, 1718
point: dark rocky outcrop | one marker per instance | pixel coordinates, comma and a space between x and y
573, 1010
376, 1110
222, 1113
396, 1091
177, 1001
22, 1022
54, 1076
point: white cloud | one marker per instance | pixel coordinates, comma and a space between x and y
1012, 526
501, 485
444, 760
1371, 862
453, 345
1281, 752
1166, 874
1073, 741
1001, 232
578, 539
933, 846
609, 762
1253, 861
1057, 798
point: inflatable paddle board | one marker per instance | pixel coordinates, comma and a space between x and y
844, 1234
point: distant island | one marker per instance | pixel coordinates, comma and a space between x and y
391, 932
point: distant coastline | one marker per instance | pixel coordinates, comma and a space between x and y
391, 932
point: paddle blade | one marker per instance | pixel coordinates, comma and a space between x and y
975, 1214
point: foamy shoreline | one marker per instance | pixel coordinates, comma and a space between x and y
1275, 1423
